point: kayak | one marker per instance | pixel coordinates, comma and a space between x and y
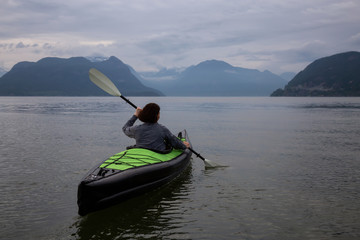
128, 174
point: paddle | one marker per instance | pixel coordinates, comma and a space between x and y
103, 82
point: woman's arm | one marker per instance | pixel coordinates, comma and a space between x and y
128, 128
174, 141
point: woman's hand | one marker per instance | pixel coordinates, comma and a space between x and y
186, 144
137, 112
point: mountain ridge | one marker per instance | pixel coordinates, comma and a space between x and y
335, 75
2, 71
215, 78
52, 76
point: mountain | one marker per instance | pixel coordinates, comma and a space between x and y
69, 77
336, 75
287, 75
2, 71
214, 78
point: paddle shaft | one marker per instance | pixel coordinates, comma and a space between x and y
128, 101
197, 154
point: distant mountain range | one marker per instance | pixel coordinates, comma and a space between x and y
213, 78
69, 77
336, 75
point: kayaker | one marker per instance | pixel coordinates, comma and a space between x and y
151, 134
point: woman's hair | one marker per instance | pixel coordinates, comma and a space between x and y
150, 112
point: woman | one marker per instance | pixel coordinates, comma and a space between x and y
151, 134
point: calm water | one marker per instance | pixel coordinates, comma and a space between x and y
293, 169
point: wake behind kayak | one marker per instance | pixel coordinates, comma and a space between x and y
128, 174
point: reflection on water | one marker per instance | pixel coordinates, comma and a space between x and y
157, 215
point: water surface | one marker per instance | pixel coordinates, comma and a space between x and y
293, 169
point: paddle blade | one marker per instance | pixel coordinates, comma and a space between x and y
208, 163
211, 164
103, 82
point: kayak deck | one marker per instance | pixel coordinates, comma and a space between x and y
128, 174
137, 157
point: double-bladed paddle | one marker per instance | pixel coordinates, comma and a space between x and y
103, 82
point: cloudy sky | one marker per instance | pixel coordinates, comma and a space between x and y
278, 35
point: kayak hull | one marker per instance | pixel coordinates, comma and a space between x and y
103, 187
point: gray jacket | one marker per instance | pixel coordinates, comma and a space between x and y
151, 135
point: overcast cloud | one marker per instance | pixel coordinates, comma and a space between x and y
278, 35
